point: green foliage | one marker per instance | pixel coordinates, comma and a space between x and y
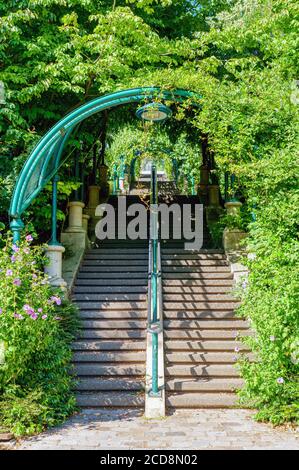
36, 329
241, 57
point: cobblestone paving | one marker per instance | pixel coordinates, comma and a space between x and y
193, 429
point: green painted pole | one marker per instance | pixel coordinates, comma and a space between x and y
16, 226
154, 200
77, 176
54, 240
155, 384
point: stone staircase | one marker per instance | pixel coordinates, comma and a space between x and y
200, 329
201, 332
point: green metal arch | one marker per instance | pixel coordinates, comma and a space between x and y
44, 161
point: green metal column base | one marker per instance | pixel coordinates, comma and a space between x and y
16, 226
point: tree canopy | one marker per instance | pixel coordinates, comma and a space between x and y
241, 57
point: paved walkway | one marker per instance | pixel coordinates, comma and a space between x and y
194, 429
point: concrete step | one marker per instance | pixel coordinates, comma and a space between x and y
215, 334
201, 400
194, 384
197, 283
105, 251
194, 298
122, 297
181, 251
115, 356
197, 275
103, 282
195, 290
203, 345
110, 399
201, 370
106, 369
133, 305
198, 314
87, 289
114, 262
193, 256
206, 324
112, 275
110, 324
196, 269
203, 357
114, 269
208, 305
116, 256
110, 383
119, 334
113, 314
194, 263
108, 345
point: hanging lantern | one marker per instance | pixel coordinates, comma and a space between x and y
2, 93
153, 112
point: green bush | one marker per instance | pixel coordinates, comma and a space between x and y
36, 329
270, 302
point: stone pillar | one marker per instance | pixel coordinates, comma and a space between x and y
85, 219
54, 268
233, 208
75, 216
203, 183
204, 175
93, 198
213, 191
232, 237
93, 202
103, 180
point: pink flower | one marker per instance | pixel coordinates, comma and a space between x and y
26, 251
29, 238
17, 282
34, 276
19, 316
56, 300
15, 248
13, 258
29, 310
1, 311
280, 380
237, 349
57, 318
40, 310
34, 316
9, 272
44, 317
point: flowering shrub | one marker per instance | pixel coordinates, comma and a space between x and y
270, 302
36, 327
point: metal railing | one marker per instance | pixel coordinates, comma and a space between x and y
154, 283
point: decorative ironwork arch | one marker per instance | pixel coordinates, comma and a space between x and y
45, 159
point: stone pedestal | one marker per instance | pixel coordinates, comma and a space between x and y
104, 191
203, 184
75, 217
233, 208
204, 175
85, 219
232, 239
93, 202
54, 268
213, 191
93, 199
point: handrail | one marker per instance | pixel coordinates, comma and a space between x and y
155, 289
